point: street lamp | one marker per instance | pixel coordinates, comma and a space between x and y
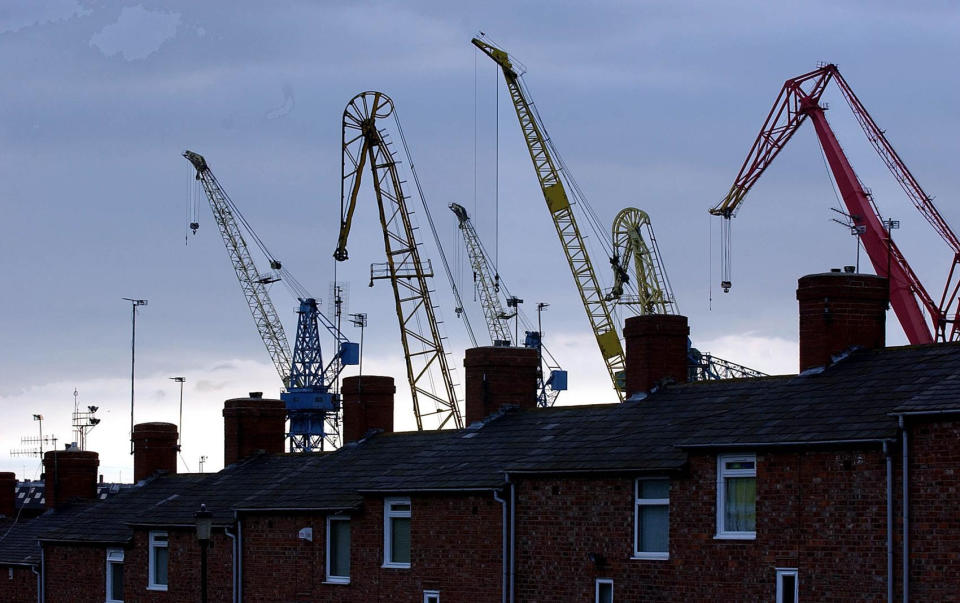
204, 521
134, 304
180, 380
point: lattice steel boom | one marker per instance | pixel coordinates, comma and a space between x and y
253, 284
364, 143
558, 203
800, 98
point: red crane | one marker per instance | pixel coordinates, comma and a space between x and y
800, 98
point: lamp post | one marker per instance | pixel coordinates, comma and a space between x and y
180, 380
134, 304
204, 520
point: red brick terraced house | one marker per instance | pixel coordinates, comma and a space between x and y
838, 483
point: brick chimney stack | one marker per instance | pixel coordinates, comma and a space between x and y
8, 494
367, 404
839, 310
154, 449
656, 350
252, 424
68, 474
498, 376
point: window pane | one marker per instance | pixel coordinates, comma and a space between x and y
160, 565
400, 540
654, 488
604, 592
116, 582
653, 526
740, 506
399, 506
339, 548
789, 585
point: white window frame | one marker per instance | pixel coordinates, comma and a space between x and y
596, 588
788, 571
388, 514
431, 596
331, 579
114, 557
154, 545
649, 502
722, 474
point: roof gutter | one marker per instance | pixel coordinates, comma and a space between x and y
382, 490
291, 509
788, 443
920, 413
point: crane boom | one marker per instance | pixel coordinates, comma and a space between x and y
363, 143
561, 211
799, 98
253, 284
487, 284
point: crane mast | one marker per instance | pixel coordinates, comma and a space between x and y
483, 274
800, 98
561, 212
253, 284
364, 143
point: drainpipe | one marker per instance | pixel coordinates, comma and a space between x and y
906, 514
33, 568
513, 536
239, 557
889, 460
41, 595
233, 563
503, 539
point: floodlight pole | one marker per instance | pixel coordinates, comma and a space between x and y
134, 304
180, 380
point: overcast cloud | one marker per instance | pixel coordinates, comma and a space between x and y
653, 104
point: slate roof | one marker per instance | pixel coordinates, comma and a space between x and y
30, 494
19, 540
851, 400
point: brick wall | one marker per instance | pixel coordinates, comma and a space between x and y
183, 570
455, 549
934, 517
18, 584
74, 574
821, 512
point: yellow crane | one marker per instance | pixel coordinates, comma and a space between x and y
558, 203
364, 143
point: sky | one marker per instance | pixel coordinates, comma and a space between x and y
651, 104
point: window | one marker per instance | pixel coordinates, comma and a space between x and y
431, 596
396, 532
157, 580
652, 519
787, 585
737, 496
114, 575
604, 590
338, 549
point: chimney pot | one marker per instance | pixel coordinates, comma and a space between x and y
367, 404
252, 424
499, 376
839, 310
656, 350
69, 474
8, 494
154, 449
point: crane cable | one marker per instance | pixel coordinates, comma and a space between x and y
433, 228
